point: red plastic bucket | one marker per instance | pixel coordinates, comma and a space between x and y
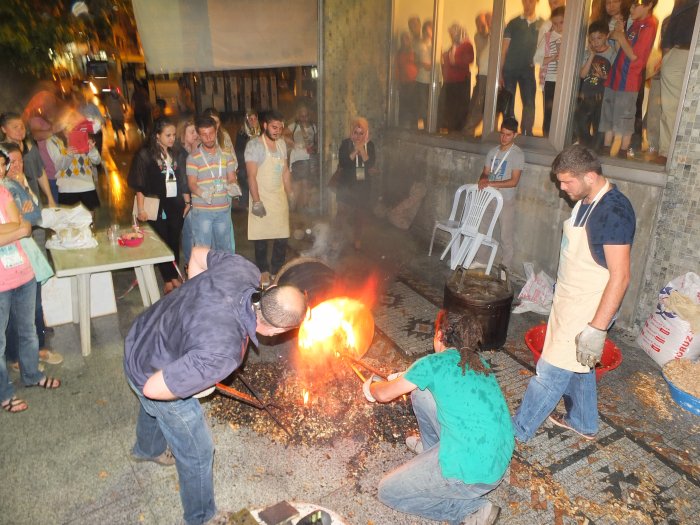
610, 360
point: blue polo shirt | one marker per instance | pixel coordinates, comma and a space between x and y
612, 221
197, 334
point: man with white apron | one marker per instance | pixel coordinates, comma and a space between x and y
594, 271
270, 186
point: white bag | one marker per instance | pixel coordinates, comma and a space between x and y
667, 335
537, 294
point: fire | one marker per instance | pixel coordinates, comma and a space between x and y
336, 326
305, 396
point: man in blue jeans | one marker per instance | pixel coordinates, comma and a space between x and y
183, 345
466, 438
594, 271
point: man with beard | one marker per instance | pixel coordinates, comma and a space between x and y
270, 184
594, 271
211, 176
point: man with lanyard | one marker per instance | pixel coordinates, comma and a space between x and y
183, 345
502, 170
211, 176
594, 271
270, 184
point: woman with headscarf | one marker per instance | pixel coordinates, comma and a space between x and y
153, 173
356, 159
457, 78
249, 130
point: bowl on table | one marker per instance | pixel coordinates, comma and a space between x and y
130, 239
610, 360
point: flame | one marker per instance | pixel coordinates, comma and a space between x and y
305, 396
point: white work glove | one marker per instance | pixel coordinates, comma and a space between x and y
205, 393
365, 387
233, 190
258, 209
207, 196
393, 376
589, 345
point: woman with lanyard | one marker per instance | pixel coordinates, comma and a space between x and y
356, 158
502, 170
154, 173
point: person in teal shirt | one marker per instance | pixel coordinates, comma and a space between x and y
466, 436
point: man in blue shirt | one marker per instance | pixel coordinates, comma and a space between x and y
186, 343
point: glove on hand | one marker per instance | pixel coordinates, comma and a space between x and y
589, 346
393, 376
366, 385
205, 393
207, 196
234, 190
258, 209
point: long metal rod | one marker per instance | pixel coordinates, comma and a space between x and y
237, 394
265, 405
357, 372
363, 364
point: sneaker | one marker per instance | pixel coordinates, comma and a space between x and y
414, 444
486, 515
166, 459
222, 517
561, 422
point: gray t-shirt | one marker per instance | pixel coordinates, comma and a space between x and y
255, 150
501, 165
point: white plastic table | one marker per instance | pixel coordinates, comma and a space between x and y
108, 256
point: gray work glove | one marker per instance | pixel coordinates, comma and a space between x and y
589, 345
366, 385
233, 190
207, 196
258, 209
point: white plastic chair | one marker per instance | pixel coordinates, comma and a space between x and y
469, 239
453, 224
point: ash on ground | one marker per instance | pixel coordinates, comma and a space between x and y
335, 409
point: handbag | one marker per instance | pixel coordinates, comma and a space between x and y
150, 206
40, 265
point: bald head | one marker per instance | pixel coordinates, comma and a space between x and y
282, 308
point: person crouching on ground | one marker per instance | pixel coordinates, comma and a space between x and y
466, 438
186, 343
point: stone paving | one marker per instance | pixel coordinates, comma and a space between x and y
642, 468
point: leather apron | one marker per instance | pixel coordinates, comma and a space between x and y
580, 285
275, 225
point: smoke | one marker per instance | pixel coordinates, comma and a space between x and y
328, 244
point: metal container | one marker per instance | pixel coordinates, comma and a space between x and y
310, 275
471, 292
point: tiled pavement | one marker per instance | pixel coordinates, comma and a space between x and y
641, 469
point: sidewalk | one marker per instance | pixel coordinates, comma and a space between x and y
66, 459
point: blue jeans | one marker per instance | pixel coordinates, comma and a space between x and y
21, 302
187, 238
418, 487
525, 78
180, 424
213, 229
543, 394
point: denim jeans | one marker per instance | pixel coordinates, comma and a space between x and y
213, 229
418, 487
20, 302
525, 78
180, 424
543, 394
187, 238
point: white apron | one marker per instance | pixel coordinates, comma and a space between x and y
275, 225
580, 285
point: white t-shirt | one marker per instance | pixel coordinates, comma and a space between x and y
501, 165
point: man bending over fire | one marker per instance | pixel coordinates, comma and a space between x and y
187, 342
466, 437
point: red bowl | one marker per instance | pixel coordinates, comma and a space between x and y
131, 242
610, 360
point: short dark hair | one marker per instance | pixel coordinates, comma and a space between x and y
557, 11
598, 27
276, 313
204, 122
510, 123
273, 114
10, 147
577, 160
6, 117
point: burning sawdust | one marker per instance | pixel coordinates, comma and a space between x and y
652, 393
336, 409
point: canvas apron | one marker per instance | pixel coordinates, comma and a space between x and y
275, 225
580, 285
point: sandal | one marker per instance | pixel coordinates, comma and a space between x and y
14, 405
48, 382
50, 357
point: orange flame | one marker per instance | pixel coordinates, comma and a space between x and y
305, 396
